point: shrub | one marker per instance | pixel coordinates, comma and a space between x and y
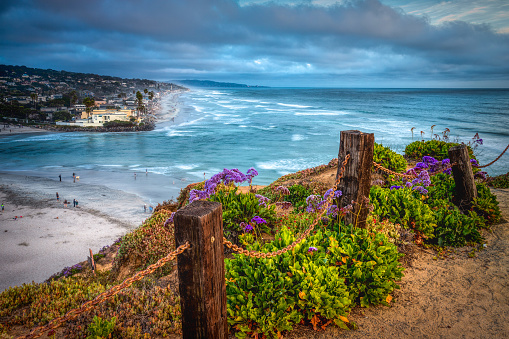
434, 148
403, 206
100, 328
388, 158
318, 281
242, 207
501, 181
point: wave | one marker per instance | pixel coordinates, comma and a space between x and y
291, 165
322, 113
298, 137
292, 105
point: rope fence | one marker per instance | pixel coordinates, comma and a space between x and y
89, 305
491, 163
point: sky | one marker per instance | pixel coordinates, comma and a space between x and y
286, 43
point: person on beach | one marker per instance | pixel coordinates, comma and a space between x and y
57, 197
134, 175
150, 209
60, 177
73, 202
76, 203
144, 207
65, 203
2, 207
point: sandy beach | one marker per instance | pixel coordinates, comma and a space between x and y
39, 236
16, 129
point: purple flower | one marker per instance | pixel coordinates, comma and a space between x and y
479, 141
246, 227
312, 249
395, 187
474, 162
258, 220
446, 162
333, 211
420, 189
480, 174
262, 201
250, 174
408, 184
429, 160
314, 202
169, 220
336, 195
283, 190
421, 165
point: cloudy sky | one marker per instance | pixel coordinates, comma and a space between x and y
305, 43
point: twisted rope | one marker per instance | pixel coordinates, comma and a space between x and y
491, 163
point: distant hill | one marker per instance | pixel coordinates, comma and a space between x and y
210, 83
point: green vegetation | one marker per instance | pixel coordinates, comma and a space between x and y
500, 181
437, 149
388, 158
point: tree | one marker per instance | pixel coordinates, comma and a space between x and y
151, 95
34, 97
74, 98
62, 116
139, 99
89, 103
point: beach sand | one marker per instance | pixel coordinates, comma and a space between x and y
46, 236
15, 129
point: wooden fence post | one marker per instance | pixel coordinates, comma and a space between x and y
356, 181
466, 190
201, 270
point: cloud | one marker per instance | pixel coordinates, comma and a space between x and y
222, 37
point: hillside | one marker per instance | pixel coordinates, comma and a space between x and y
449, 292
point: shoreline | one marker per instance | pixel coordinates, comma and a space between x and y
164, 109
46, 237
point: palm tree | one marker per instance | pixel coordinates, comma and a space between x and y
139, 99
89, 103
74, 98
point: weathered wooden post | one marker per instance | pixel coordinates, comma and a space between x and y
466, 190
356, 180
201, 270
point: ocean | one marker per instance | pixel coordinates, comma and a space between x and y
275, 130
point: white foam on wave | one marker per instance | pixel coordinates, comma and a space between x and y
321, 113
293, 105
198, 108
52, 166
110, 165
186, 167
179, 133
291, 165
298, 137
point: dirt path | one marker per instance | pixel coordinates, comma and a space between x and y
458, 297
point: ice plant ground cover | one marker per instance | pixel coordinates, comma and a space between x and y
338, 267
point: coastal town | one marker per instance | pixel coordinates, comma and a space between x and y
64, 100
